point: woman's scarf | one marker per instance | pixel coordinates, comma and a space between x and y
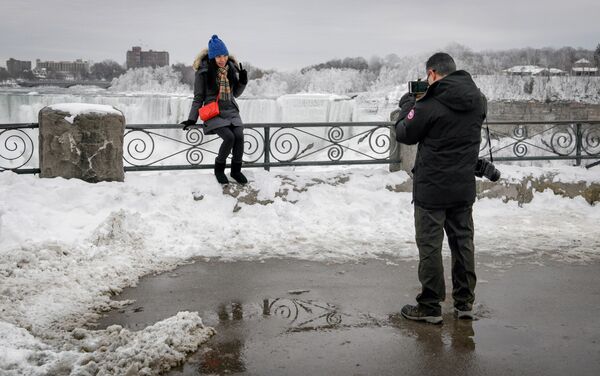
223, 83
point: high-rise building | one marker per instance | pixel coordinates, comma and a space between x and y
77, 67
137, 58
15, 67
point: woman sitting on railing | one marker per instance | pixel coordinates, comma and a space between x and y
219, 80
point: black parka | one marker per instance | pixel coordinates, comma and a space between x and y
206, 90
446, 123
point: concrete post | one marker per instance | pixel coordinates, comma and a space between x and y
83, 141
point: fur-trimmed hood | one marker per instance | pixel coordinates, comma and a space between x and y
201, 60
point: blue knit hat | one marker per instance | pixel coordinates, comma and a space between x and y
216, 47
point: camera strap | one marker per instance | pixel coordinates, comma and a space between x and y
489, 140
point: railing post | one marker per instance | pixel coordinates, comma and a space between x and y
578, 141
267, 149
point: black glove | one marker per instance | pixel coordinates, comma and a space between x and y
187, 124
243, 75
407, 102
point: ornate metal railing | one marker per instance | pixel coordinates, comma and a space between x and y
531, 141
168, 147
266, 145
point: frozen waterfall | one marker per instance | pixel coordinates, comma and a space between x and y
22, 106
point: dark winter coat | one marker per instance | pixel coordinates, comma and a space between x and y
206, 90
446, 122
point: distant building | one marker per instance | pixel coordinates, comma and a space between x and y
583, 67
69, 69
16, 67
137, 58
533, 70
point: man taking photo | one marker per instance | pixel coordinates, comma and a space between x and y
446, 123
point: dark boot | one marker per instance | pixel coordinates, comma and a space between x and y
236, 172
417, 313
220, 173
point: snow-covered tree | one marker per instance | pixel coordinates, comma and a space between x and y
107, 70
154, 80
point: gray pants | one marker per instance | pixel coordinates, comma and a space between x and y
430, 226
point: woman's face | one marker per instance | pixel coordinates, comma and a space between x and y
221, 60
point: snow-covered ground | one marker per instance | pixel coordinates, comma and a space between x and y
66, 246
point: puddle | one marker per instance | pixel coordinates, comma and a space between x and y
295, 317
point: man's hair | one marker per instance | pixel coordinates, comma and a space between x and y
441, 63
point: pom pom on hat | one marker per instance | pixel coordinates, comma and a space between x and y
216, 47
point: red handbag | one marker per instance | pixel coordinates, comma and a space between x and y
210, 110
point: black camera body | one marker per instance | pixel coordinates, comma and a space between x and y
417, 87
487, 169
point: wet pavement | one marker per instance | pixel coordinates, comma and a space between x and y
289, 317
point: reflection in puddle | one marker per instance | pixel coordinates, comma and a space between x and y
227, 356
454, 335
303, 314
242, 327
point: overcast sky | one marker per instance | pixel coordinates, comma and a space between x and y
287, 34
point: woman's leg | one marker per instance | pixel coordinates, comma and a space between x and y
228, 142
238, 145
228, 139
238, 154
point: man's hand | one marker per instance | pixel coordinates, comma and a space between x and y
407, 102
243, 75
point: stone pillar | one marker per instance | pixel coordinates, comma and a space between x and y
406, 153
83, 141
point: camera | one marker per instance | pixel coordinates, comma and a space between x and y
417, 87
487, 169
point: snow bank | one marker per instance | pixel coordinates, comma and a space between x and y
66, 246
113, 351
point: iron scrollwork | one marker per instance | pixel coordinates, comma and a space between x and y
194, 137
335, 135
290, 144
285, 143
591, 141
139, 145
253, 144
564, 141
382, 143
17, 149
520, 134
194, 155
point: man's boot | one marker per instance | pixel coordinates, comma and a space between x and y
416, 312
220, 172
236, 173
